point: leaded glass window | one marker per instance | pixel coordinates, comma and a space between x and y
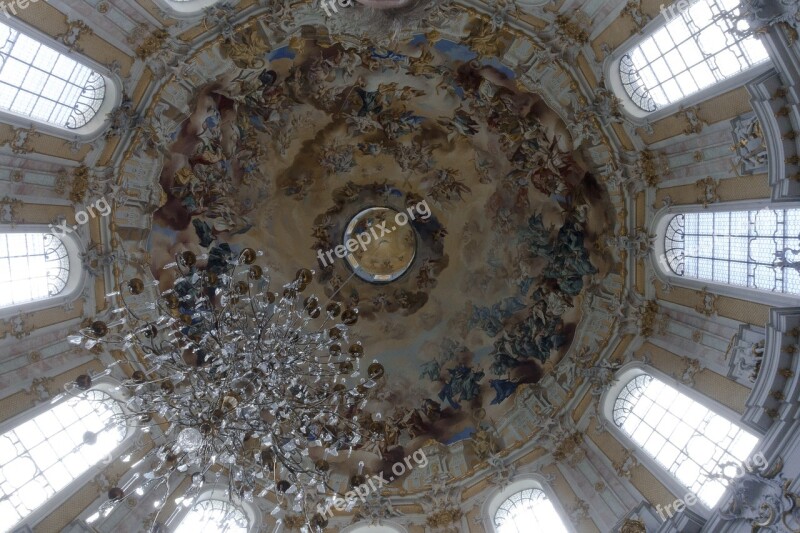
528, 510
33, 266
758, 249
40, 83
213, 516
48, 452
687, 439
696, 48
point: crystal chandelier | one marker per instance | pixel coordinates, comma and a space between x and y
256, 385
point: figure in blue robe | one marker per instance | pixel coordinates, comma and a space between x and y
463, 383
503, 388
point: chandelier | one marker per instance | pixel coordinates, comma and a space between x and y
259, 385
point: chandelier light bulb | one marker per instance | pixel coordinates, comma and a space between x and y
190, 439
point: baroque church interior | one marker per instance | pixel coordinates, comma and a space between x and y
399, 266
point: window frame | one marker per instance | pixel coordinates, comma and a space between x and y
636, 368
76, 281
639, 116
96, 126
664, 274
106, 385
498, 496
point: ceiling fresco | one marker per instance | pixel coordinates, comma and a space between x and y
284, 149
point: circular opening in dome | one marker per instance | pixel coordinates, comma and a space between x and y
380, 243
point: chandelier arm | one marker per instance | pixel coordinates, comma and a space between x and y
127, 307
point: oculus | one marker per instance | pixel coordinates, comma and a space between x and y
388, 250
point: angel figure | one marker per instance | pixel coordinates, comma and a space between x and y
247, 50
421, 66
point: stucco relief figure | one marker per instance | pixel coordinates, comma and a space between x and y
483, 442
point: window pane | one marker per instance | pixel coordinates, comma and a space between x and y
692, 50
688, 440
40, 83
41, 457
528, 510
33, 266
754, 249
213, 516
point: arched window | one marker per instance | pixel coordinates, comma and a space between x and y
188, 7
528, 510
214, 516
694, 49
39, 83
40, 457
687, 439
757, 249
33, 266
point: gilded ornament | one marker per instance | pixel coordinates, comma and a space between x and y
647, 316
9, 211
572, 29
443, 517
694, 124
648, 167
21, 143
152, 44
708, 302
75, 29
80, 184
569, 446
633, 526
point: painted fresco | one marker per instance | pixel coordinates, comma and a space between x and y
285, 148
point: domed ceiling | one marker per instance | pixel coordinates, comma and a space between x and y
480, 293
